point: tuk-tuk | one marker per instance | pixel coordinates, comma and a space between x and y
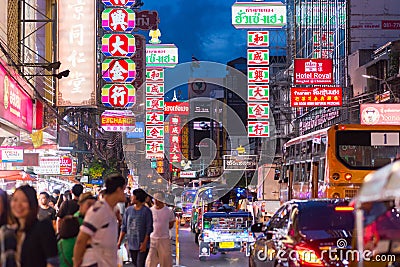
377, 212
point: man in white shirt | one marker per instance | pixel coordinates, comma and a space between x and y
100, 227
160, 242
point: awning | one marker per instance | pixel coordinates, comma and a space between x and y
384, 184
15, 175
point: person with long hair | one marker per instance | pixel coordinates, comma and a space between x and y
36, 240
8, 244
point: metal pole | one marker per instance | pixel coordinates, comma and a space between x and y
177, 241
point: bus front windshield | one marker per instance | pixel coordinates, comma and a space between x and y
356, 150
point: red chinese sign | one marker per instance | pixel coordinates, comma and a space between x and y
313, 71
118, 45
118, 95
317, 96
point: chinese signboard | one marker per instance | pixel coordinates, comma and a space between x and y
155, 118
258, 15
240, 163
77, 52
121, 3
380, 114
118, 20
258, 92
257, 57
258, 111
258, 74
155, 103
118, 120
313, 71
154, 132
258, 128
118, 45
119, 70
316, 96
154, 149
257, 38
118, 95
154, 75
154, 89
161, 55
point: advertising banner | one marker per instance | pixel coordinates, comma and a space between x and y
66, 165
15, 105
316, 97
176, 108
240, 163
11, 154
380, 114
161, 55
246, 15
48, 165
138, 132
118, 120
313, 71
77, 52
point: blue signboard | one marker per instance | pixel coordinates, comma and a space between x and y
138, 132
96, 181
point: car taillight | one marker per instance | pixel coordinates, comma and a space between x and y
344, 208
348, 176
307, 256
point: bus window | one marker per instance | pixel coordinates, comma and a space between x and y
321, 171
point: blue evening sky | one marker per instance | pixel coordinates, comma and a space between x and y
199, 28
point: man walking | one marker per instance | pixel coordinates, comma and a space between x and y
137, 224
45, 211
70, 206
100, 227
160, 242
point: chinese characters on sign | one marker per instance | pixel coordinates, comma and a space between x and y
317, 96
313, 71
118, 95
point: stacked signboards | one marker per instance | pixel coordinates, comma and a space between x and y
258, 15
158, 57
317, 73
118, 69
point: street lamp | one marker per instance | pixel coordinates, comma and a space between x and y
382, 80
59, 75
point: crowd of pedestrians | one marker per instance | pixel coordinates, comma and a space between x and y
80, 229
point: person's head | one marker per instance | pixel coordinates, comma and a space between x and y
149, 200
138, 195
86, 200
44, 198
56, 193
24, 206
67, 195
4, 207
77, 190
115, 185
159, 198
69, 227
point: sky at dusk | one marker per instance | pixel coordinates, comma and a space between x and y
199, 28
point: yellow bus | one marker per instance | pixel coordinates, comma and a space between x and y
332, 162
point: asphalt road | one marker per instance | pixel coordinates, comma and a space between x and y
189, 254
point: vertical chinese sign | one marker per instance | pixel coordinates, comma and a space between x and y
158, 57
118, 70
256, 15
77, 52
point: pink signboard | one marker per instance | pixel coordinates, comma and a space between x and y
118, 20
15, 105
313, 71
119, 70
316, 96
118, 45
380, 114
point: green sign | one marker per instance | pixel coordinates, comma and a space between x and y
246, 15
